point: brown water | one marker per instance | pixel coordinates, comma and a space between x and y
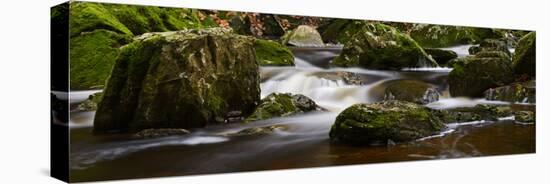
304, 144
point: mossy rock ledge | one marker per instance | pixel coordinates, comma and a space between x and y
398, 121
181, 79
379, 46
97, 31
524, 92
524, 59
281, 105
433, 36
271, 53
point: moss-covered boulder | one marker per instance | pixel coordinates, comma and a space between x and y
271, 53
303, 36
524, 59
282, 104
428, 35
517, 92
98, 30
180, 79
340, 30
473, 75
91, 103
388, 120
442, 57
379, 46
411, 91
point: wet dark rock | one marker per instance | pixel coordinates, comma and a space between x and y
379, 46
340, 30
524, 59
259, 130
471, 76
90, 104
377, 122
182, 79
411, 91
163, 132
442, 57
282, 104
490, 45
303, 36
348, 77
517, 92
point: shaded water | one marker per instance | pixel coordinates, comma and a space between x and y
305, 143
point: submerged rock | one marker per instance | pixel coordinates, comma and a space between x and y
348, 77
411, 91
259, 130
282, 104
379, 46
271, 53
442, 57
524, 60
181, 79
303, 36
162, 132
389, 120
517, 92
476, 113
471, 76
91, 103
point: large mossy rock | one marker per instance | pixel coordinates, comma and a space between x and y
271, 53
442, 57
433, 36
388, 120
379, 46
517, 92
180, 79
340, 30
303, 36
98, 30
524, 59
411, 91
281, 105
471, 76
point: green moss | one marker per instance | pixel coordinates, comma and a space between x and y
86, 16
388, 120
379, 46
434, 36
92, 57
271, 53
524, 59
476, 75
280, 105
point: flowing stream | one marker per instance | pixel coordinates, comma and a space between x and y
305, 143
